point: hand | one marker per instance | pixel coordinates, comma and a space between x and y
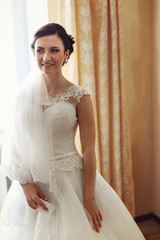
93, 210
33, 195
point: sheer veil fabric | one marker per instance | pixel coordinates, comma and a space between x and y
28, 145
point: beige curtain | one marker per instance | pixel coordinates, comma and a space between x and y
97, 65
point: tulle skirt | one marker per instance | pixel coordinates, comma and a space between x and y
66, 218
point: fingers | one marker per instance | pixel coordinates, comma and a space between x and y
42, 196
40, 203
97, 219
32, 204
100, 215
95, 222
35, 202
94, 228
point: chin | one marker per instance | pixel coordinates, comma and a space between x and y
47, 72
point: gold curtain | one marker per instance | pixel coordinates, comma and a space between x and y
97, 65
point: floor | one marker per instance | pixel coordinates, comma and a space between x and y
150, 229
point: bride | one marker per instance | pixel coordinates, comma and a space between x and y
56, 193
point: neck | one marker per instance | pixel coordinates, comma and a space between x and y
54, 81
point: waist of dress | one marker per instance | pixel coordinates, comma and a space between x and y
67, 161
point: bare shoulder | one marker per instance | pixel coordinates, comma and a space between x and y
84, 107
84, 101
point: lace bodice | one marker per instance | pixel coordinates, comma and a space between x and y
61, 111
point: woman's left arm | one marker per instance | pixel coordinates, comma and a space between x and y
87, 136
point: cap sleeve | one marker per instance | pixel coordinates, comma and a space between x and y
79, 92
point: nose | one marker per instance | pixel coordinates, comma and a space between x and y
46, 56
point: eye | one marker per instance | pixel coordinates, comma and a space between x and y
54, 50
39, 50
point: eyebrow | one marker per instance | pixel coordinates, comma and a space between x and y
50, 47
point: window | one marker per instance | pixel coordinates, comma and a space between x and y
19, 19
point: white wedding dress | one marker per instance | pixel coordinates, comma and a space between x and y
66, 218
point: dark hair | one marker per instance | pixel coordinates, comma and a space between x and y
54, 28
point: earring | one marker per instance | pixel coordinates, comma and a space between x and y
66, 60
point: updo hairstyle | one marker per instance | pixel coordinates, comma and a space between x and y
54, 28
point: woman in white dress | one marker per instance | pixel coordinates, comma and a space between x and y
56, 193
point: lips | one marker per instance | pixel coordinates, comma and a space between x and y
47, 65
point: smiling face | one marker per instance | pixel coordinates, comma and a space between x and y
50, 54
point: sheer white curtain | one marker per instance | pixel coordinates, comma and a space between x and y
7, 59
8, 72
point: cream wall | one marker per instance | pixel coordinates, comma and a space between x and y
137, 42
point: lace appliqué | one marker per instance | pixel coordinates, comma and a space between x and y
69, 163
73, 91
19, 173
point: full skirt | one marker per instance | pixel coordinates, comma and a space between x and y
66, 218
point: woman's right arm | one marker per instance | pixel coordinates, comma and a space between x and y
14, 168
